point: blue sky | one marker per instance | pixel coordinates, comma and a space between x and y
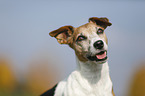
25, 25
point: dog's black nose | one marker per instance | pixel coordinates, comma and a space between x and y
99, 44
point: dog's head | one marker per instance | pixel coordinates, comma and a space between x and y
89, 41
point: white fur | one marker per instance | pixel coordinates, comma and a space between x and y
89, 79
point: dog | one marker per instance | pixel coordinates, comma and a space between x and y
91, 77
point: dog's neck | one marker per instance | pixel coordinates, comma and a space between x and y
88, 78
93, 72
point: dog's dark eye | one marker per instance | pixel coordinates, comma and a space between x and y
100, 31
80, 38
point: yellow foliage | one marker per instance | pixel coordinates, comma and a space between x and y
137, 87
7, 78
40, 78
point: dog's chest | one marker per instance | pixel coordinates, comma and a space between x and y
76, 85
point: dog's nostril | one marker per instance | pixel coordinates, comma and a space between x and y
99, 44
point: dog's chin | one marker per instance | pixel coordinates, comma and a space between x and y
100, 57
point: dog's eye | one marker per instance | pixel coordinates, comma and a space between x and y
100, 31
80, 38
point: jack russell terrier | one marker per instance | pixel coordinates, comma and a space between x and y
91, 77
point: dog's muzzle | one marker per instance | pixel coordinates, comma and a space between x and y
102, 56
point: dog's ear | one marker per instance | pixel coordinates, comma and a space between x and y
62, 34
103, 21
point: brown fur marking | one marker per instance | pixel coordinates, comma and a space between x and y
104, 22
113, 92
62, 34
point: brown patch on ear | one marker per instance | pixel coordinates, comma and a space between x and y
103, 21
62, 34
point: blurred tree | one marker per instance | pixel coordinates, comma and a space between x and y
137, 87
7, 77
42, 75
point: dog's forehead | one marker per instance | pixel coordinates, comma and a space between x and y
86, 29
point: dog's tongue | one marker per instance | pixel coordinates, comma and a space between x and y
102, 56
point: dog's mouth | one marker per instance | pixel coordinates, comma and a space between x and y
101, 56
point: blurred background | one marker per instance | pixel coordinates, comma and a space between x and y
31, 61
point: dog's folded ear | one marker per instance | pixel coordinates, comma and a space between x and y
103, 21
62, 34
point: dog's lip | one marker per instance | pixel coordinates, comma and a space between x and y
100, 53
94, 57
